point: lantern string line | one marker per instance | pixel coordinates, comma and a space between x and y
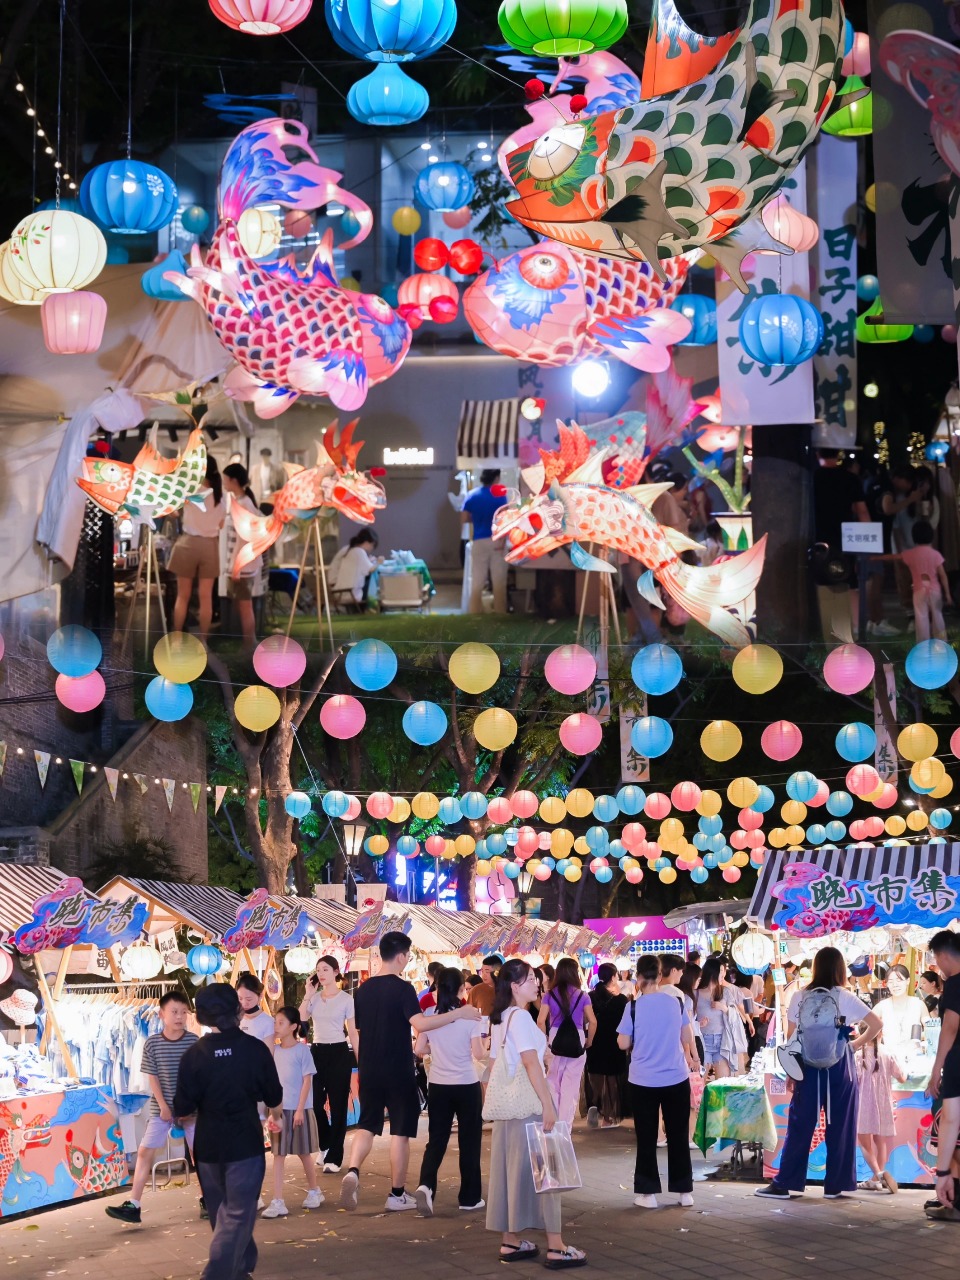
130, 84
57, 165
313, 66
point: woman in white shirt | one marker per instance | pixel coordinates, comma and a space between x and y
196, 553
352, 566
242, 589
334, 1051
254, 1021
455, 1094
513, 1204
902, 1015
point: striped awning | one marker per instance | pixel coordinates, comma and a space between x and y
208, 908
20, 887
488, 429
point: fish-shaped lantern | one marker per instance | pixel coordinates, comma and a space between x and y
151, 486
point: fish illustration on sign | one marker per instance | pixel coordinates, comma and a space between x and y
151, 486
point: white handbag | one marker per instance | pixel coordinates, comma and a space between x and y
509, 1097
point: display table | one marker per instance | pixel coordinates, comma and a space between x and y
734, 1110
57, 1146
392, 569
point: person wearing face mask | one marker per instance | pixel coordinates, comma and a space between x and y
254, 1021
901, 1014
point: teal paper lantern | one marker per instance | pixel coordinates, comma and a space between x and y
204, 960
631, 799
868, 288
335, 804
548, 862
764, 801
450, 812
444, 186
195, 220
839, 803
816, 833
597, 839
661, 864
718, 842
496, 844
699, 875
371, 664
701, 311
711, 825
656, 669
129, 196
835, 831
168, 701
940, 819
401, 31
408, 847
154, 284
74, 651
297, 804
856, 741
802, 786
604, 875
701, 841
617, 850
425, 723
710, 861
511, 870
387, 98
780, 329
651, 736
512, 836
473, 805
931, 664
605, 809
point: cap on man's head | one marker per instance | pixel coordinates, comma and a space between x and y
216, 1003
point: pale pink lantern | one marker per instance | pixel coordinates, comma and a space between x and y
755, 840
758, 856
857, 61
279, 661
650, 850
781, 740
425, 288
524, 804
862, 779
543, 872
297, 223
633, 835
820, 798
685, 796
81, 693
581, 733
379, 804
888, 797
343, 716
874, 826
633, 875
570, 669
657, 806
738, 839
528, 840
261, 17
848, 669
73, 322
789, 225
543, 842
457, 219
353, 809
499, 810
750, 819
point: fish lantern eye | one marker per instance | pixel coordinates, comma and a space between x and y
555, 151
544, 270
110, 471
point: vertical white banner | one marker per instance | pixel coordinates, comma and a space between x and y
886, 752
833, 172
633, 766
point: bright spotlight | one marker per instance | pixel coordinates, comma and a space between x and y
871, 391
591, 379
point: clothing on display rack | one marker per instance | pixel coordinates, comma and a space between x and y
105, 1033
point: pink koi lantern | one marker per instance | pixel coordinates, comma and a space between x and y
73, 322
261, 17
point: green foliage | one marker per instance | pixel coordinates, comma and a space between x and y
137, 855
491, 193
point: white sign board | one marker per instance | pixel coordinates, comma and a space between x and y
862, 538
408, 457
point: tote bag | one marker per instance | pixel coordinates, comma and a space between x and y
509, 1097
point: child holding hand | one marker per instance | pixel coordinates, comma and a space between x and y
296, 1134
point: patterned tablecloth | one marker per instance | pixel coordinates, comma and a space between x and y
736, 1111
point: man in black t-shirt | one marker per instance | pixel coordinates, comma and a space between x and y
386, 1008
837, 499
945, 1076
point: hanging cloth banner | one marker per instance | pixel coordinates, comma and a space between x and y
43, 764
77, 768
3, 757
113, 776
169, 790
633, 766
755, 394
141, 780
219, 793
195, 795
885, 756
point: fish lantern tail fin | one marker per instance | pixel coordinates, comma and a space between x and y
707, 593
259, 533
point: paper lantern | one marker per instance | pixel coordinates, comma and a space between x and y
180, 657
474, 667
701, 311
56, 250
552, 810
757, 668
927, 773
141, 962
868, 288
862, 779
606, 809
549, 29
943, 789
495, 728
444, 186
572, 874
499, 810
301, 960
940, 819
81, 693
435, 846
917, 741
342, 716
154, 282
931, 664
742, 792
856, 59
431, 254
856, 741
780, 329
194, 220
204, 959
579, 802
168, 701
280, 661
376, 846
387, 97
406, 221
400, 811
73, 322
524, 804
398, 32
74, 651
581, 733
657, 806
764, 801
685, 796
424, 723
750, 820
260, 232
851, 119
450, 812
731, 874
793, 812
721, 740
631, 799
12, 287
667, 875
424, 290
425, 806
788, 225
464, 846
710, 804
753, 952
651, 736
407, 846
656, 669
379, 804
698, 875
130, 197
871, 332
848, 669
570, 669
473, 805
916, 820
888, 797
802, 786
257, 708
371, 664
466, 257
297, 804
261, 17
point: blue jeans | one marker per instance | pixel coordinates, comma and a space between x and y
231, 1192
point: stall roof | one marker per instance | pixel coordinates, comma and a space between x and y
735, 908
209, 908
20, 887
330, 917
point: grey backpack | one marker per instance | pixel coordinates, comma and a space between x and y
822, 1043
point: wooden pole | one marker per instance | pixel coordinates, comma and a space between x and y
323, 579
156, 570
296, 590
133, 606
146, 625
50, 1006
583, 600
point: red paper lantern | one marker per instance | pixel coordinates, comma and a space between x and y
523, 804
499, 810
81, 693
342, 716
755, 840
581, 733
379, 804
466, 257
820, 798
633, 836
443, 310
657, 806
73, 322
862, 780
781, 740
436, 846
528, 840
423, 291
685, 796
431, 254
261, 17
750, 819
888, 797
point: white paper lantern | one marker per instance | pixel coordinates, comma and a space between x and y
54, 250
260, 232
141, 962
753, 952
301, 960
12, 288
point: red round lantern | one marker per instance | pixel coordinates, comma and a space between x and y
528, 840
443, 310
750, 819
820, 798
436, 846
578, 103
657, 806
431, 254
581, 733
261, 17
888, 797
379, 804
342, 716
633, 875
781, 740
633, 836
499, 810
466, 257
523, 804
685, 796
755, 840
81, 693
420, 291
73, 322
738, 839
534, 89
862, 779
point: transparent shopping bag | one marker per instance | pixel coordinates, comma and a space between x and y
553, 1160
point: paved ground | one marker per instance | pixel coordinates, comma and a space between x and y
729, 1233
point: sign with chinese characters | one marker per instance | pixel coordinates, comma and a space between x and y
861, 537
814, 902
408, 457
886, 760
69, 916
835, 292
264, 921
633, 766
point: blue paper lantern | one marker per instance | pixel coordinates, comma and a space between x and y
931, 664
195, 220
701, 311
408, 847
154, 284
816, 833
371, 664
511, 870
390, 294
764, 801
940, 819
425, 723
839, 803
496, 844
297, 804
835, 831
444, 186
605, 809
397, 32
450, 811
548, 862
802, 786
656, 669
204, 959
512, 836
700, 841
74, 651
651, 736
710, 860
923, 333
856, 741
129, 196
936, 450
868, 288
631, 799
661, 864
386, 98
473, 805
562, 865
848, 34
604, 874
168, 701
481, 850
597, 838
712, 825
349, 224
780, 329
718, 842
335, 804
117, 255
617, 849
699, 875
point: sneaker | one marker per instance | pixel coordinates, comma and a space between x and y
943, 1213
593, 1118
126, 1212
686, 1200
204, 1215
424, 1202
349, 1192
332, 1168
314, 1199
882, 628
645, 1202
773, 1191
473, 1208
397, 1204
275, 1209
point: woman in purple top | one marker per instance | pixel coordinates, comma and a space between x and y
566, 1014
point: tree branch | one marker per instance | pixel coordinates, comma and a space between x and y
247, 857
307, 702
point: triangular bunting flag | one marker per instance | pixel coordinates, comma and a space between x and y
43, 764
195, 795
220, 792
3, 757
169, 790
77, 768
141, 780
113, 776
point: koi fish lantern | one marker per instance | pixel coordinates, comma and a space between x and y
151, 486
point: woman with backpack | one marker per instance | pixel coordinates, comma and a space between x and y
567, 1015
819, 1057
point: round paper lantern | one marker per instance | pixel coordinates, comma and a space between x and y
195, 220
764, 801
940, 819
710, 804
56, 250
868, 288
260, 232
651, 736
699, 875
742, 792
856, 741
552, 810
450, 811
457, 219
721, 740
524, 804
927, 773
406, 221
657, 806
425, 806
180, 657
631, 799
379, 804
400, 811
474, 667
606, 809
793, 812
753, 952
301, 960
944, 788
916, 820
528, 841
499, 810
570, 669
757, 668
781, 740
424, 723
917, 741
701, 311
789, 225
685, 796
872, 330
581, 733
335, 804
376, 846
142, 961
280, 661
495, 728
73, 322
387, 98
856, 59
12, 287
464, 845
399, 32
73, 651
848, 669
656, 669
204, 959
466, 257
425, 289
668, 875
473, 805
862, 779
895, 825
750, 820
931, 664
168, 701
572, 874
780, 329
130, 197
342, 716
257, 708
444, 186
561, 841
431, 254
552, 30
802, 786
407, 846
731, 874
81, 693
261, 17
371, 664
888, 797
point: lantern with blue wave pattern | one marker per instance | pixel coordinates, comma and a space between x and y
444, 186
398, 32
702, 314
129, 196
154, 285
387, 97
780, 329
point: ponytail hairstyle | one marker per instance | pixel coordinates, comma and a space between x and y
448, 984
292, 1015
236, 471
214, 479
511, 972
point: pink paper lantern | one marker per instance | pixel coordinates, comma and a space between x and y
685, 796
543, 842
750, 819
542, 872
731, 874
857, 61
523, 804
81, 693
528, 840
597, 864
343, 716
570, 669
650, 850
297, 223
755, 840
499, 810
261, 17
858, 829
379, 804
633, 835
73, 322
954, 737
789, 225
353, 809
633, 875
862, 779
436, 846
821, 797
581, 733
781, 740
888, 797
279, 661
657, 806
425, 288
848, 669
874, 826
738, 839
457, 219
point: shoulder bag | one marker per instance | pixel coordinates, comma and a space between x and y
509, 1097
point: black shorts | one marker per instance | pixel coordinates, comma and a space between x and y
950, 1081
400, 1099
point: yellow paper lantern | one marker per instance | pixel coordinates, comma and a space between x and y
777, 838
12, 287
581, 846
425, 806
257, 708
406, 220
740, 858
944, 788
670, 829
572, 874
793, 811
180, 657
895, 826
710, 804
874, 795
577, 861
795, 835
495, 728
400, 811
927, 773
667, 875
742, 792
917, 742
474, 667
55, 250
561, 842
465, 845
580, 802
378, 845
483, 867
259, 231
449, 852
552, 810
721, 740
667, 843
757, 668
916, 820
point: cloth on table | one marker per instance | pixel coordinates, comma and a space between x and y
736, 1110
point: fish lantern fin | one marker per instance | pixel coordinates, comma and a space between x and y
646, 585
291, 468
707, 593
589, 472
758, 98
642, 218
679, 542
534, 477
647, 494
584, 560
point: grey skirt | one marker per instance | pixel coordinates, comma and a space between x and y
296, 1140
512, 1202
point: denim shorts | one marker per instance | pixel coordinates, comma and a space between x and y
711, 1049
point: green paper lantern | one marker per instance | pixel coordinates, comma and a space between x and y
562, 28
867, 332
851, 119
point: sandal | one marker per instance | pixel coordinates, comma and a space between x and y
519, 1252
871, 1184
566, 1257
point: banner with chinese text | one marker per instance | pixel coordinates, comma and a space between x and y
834, 206
69, 916
815, 902
263, 921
